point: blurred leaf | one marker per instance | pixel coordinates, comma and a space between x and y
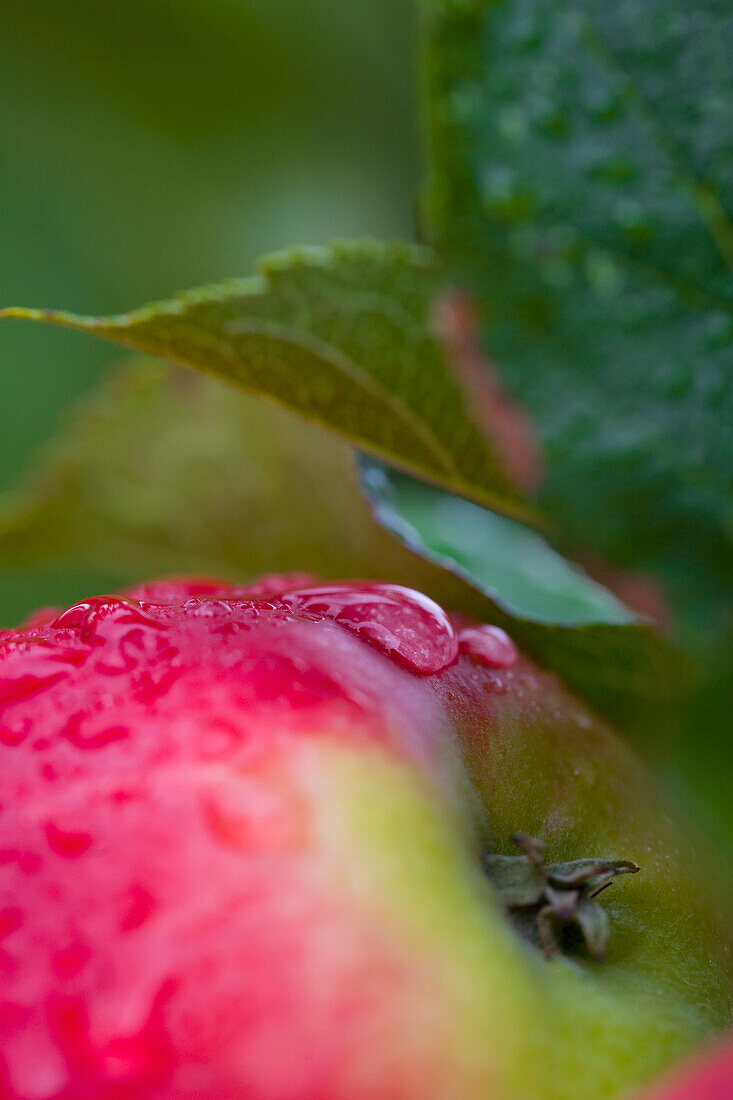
557, 613
164, 471
342, 336
582, 185
508, 562
158, 143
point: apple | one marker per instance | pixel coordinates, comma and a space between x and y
326, 842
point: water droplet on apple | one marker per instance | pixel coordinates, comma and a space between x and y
406, 625
103, 616
489, 645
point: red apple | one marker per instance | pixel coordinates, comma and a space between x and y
249, 846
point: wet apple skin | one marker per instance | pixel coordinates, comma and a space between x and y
240, 856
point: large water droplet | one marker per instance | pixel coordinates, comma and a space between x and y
406, 625
489, 645
100, 615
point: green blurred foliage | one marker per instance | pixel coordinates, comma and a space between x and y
159, 144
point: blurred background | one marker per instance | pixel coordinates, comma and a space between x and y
161, 144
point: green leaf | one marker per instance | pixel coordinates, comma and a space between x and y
507, 561
582, 185
557, 613
341, 336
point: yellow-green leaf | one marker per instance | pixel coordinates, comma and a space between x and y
344, 336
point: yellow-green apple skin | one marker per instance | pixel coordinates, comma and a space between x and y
242, 841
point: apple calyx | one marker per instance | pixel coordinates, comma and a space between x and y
544, 899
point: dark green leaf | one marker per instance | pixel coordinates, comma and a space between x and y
556, 612
582, 185
342, 336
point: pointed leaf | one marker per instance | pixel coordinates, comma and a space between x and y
342, 336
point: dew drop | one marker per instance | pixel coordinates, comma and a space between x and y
100, 615
66, 843
489, 645
406, 625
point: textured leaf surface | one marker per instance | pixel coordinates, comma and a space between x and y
582, 182
561, 616
342, 336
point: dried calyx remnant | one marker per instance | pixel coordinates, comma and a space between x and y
544, 899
